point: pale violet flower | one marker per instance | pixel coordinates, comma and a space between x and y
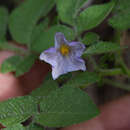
64, 56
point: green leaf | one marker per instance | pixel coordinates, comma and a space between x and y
90, 38
102, 47
24, 18
10, 46
83, 79
4, 45
121, 17
48, 76
16, 2
17, 110
25, 64
44, 90
3, 21
68, 9
63, 78
93, 16
9, 65
66, 106
38, 29
15, 127
46, 38
34, 127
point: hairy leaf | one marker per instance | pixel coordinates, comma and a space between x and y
38, 29
15, 127
46, 38
102, 47
9, 65
121, 17
90, 38
67, 9
17, 110
24, 18
25, 64
34, 127
66, 106
44, 90
3, 21
93, 16
10, 46
83, 79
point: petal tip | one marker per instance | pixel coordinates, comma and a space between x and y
54, 76
41, 57
60, 38
59, 33
84, 68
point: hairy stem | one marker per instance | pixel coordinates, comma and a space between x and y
111, 72
117, 84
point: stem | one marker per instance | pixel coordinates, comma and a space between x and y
76, 33
110, 72
75, 24
93, 62
124, 67
85, 5
117, 84
119, 59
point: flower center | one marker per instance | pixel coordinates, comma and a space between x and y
64, 50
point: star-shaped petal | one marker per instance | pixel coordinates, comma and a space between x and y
65, 56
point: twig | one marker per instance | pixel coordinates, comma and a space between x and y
117, 84
111, 72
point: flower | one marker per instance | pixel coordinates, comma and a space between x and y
64, 56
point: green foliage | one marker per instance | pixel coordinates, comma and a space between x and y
63, 78
18, 64
34, 23
3, 21
44, 90
66, 106
25, 64
93, 16
46, 38
102, 47
68, 9
34, 127
38, 29
17, 110
121, 15
24, 18
111, 72
83, 79
10, 64
90, 38
5, 45
15, 127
